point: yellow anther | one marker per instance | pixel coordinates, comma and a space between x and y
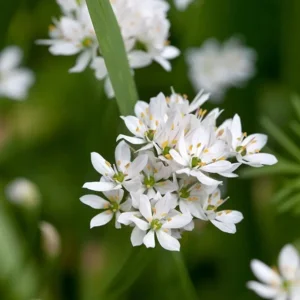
107, 163
174, 142
127, 166
221, 132
151, 117
141, 123
137, 129
185, 96
190, 147
156, 123
118, 162
206, 150
164, 144
198, 145
168, 156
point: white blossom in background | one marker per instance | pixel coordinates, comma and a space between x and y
182, 4
171, 175
50, 239
216, 67
15, 81
278, 284
144, 28
22, 191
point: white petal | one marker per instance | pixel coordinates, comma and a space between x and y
122, 153
98, 64
145, 207
165, 187
126, 217
178, 221
261, 159
132, 140
101, 186
133, 125
139, 59
256, 142
101, 165
64, 48
10, 58
229, 216
262, 290
141, 224
204, 178
288, 262
101, 219
164, 63
137, 165
149, 239
81, 62
236, 130
177, 157
264, 273
133, 185
167, 241
163, 206
137, 236
94, 201
216, 167
170, 52
200, 99
225, 227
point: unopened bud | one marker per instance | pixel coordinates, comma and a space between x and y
21, 191
50, 239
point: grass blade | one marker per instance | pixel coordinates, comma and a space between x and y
114, 53
281, 138
296, 104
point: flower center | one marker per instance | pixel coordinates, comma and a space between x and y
184, 193
166, 152
150, 134
155, 224
114, 206
196, 162
242, 150
210, 207
286, 285
87, 42
119, 177
149, 181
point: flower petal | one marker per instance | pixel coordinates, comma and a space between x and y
178, 221
101, 186
132, 140
101, 219
139, 59
264, 273
137, 236
81, 62
101, 165
145, 207
167, 241
225, 227
262, 290
94, 201
122, 153
227, 216
289, 262
149, 239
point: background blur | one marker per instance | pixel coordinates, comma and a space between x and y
49, 137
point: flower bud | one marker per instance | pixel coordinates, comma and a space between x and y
50, 239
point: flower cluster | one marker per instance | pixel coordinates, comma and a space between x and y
215, 67
180, 158
15, 81
144, 28
283, 285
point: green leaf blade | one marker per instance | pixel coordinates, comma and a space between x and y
114, 53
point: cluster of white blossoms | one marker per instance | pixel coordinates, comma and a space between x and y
15, 81
215, 67
144, 27
278, 285
180, 157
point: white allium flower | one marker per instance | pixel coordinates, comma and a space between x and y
182, 153
110, 207
182, 4
22, 191
278, 285
144, 28
158, 220
247, 148
15, 81
215, 67
124, 173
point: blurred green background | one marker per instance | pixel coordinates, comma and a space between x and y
49, 137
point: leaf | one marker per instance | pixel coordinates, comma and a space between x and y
295, 126
290, 203
114, 53
288, 189
281, 138
296, 103
283, 167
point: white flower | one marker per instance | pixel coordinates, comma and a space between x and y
198, 156
23, 192
182, 4
284, 285
110, 208
215, 67
50, 239
144, 28
158, 220
225, 220
15, 81
155, 177
247, 148
124, 173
